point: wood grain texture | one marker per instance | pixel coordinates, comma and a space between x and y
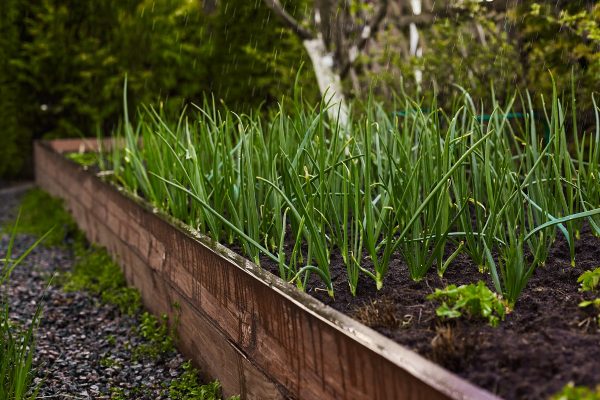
258, 335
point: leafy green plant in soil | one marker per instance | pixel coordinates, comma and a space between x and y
589, 280
572, 392
473, 301
595, 303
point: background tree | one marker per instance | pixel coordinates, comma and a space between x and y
564, 39
334, 33
508, 44
253, 58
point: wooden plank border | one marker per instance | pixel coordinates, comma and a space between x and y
260, 336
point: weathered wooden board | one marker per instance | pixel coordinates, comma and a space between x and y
257, 334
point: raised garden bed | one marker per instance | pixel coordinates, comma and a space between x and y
258, 335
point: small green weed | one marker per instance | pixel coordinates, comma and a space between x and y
587, 303
84, 159
108, 362
187, 387
475, 300
572, 392
589, 280
111, 340
117, 393
158, 335
595, 303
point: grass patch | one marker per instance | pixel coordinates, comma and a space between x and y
96, 273
17, 345
42, 213
44, 216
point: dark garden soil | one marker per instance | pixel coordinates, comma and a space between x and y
546, 342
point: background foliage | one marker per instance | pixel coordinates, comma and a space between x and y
63, 62
571, 44
14, 137
521, 49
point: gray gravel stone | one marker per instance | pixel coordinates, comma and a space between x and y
84, 347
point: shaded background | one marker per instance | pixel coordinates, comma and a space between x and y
63, 62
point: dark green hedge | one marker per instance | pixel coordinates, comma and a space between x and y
63, 63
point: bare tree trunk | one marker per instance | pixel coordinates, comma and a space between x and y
329, 81
332, 46
415, 45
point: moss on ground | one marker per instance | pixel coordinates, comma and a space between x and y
187, 387
40, 213
159, 337
95, 272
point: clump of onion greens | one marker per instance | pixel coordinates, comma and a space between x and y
428, 185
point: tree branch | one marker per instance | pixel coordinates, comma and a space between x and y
298, 29
326, 23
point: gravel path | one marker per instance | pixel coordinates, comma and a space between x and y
85, 349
